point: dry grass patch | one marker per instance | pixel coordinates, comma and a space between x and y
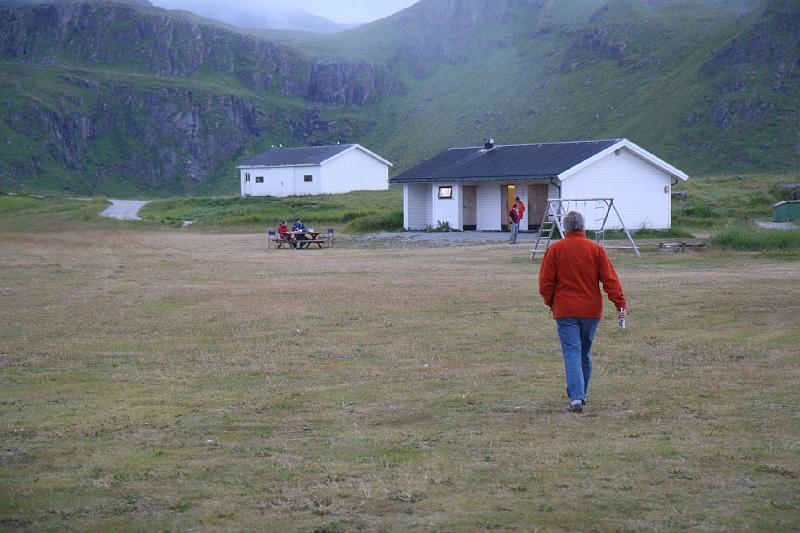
160, 380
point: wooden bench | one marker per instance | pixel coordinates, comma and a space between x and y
280, 240
318, 242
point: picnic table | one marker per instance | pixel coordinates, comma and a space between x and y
290, 239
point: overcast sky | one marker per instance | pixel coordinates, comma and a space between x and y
341, 11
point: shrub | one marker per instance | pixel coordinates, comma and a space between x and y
756, 239
442, 226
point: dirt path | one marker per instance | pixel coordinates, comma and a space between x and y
124, 209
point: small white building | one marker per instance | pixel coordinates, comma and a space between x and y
473, 188
314, 170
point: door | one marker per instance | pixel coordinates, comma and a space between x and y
507, 195
470, 208
537, 204
246, 184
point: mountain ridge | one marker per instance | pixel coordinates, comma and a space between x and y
719, 93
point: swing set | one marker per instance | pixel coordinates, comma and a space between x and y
557, 209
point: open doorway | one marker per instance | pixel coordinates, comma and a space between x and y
507, 195
470, 208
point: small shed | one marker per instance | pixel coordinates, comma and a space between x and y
312, 170
787, 211
472, 188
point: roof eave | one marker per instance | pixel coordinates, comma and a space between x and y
358, 147
515, 177
279, 166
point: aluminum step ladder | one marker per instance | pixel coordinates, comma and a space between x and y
551, 220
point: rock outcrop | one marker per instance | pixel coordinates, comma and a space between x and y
117, 36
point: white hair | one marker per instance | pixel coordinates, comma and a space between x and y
573, 221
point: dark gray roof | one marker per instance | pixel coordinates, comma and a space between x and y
304, 155
540, 160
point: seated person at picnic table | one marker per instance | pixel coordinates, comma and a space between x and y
298, 226
283, 231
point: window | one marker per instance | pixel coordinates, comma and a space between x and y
446, 192
259, 179
308, 177
247, 177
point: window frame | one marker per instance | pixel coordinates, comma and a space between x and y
449, 195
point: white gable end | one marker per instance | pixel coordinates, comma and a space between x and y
641, 191
354, 170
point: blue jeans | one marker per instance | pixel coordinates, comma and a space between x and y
514, 231
576, 336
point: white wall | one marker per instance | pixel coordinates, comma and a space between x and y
446, 210
354, 170
636, 186
302, 187
488, 199
282, 181
417, 205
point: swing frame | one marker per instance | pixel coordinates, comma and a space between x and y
556, 211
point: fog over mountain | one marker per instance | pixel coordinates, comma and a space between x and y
320, 16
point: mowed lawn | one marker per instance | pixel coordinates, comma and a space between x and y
166, 380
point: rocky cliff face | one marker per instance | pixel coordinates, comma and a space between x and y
162, 137
98, 126
119, 36
773, 41
765, 54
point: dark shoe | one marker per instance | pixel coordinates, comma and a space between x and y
575, 407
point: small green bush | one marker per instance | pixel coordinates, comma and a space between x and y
748, 238
442, 226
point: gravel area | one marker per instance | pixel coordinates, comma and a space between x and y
124, 209
446, 238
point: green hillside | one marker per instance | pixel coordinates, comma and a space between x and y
105, 98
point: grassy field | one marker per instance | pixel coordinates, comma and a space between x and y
359, 210
166, 380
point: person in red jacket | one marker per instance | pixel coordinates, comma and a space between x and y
569, 279
520, 208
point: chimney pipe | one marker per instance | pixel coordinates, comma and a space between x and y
488, 143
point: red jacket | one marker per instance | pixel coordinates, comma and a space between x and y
569, 278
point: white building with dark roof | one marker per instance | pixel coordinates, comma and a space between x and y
312, 170
473, 188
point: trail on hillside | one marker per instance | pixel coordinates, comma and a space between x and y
124, 209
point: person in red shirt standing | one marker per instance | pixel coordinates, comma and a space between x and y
569, 279
513, 224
